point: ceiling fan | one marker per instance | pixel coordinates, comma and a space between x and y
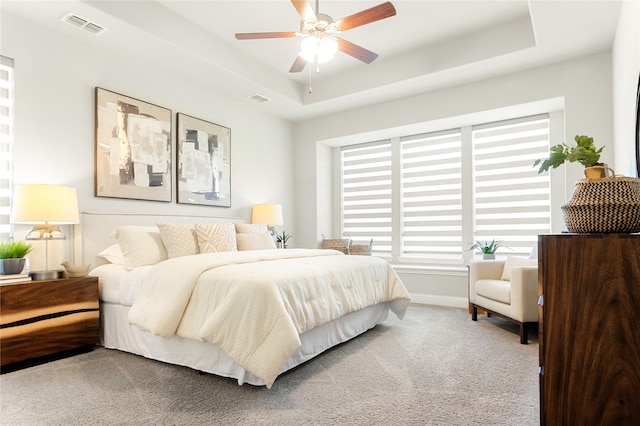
320, 33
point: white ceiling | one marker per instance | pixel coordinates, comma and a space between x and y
428, 45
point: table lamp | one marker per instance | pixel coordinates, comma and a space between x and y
46, 207
271, 214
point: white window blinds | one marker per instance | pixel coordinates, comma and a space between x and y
366, 194
432, 195
6, 140
511, 200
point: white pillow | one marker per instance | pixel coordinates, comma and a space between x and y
255, 241
140, 245
216, 238
251, 228
512, 261
113, 254
179, 239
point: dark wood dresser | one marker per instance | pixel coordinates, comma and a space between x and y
39, 318
589, 329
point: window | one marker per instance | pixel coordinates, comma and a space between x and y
6, 141
431, 167
424, 198
366, 194
511, 200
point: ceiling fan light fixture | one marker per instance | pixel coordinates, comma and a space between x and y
323, 48
320, 33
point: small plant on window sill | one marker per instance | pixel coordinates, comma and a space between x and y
283, 238
488, 249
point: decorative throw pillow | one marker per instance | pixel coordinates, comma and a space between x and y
251, 228
216, 238
113, 254
140, 245
255, 241
179, 239
515, 261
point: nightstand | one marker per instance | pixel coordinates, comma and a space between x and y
39, 318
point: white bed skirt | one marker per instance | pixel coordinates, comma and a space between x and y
117, 333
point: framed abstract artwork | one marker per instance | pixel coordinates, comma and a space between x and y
132, 148
203, 162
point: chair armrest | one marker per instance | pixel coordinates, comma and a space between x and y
485, 270
524, 293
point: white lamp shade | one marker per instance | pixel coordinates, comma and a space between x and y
45, 204
271, 214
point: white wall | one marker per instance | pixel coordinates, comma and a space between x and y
626, 68
55, 77
582, 85
54, 122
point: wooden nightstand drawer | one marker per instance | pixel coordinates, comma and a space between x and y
39, 318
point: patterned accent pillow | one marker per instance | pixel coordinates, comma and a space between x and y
179, 239
216, 238
255, 241
251, 228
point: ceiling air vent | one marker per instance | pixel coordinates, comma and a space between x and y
84, 24
258, 98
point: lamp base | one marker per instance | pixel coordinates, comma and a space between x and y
46, 275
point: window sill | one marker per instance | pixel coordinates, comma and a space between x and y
454, 270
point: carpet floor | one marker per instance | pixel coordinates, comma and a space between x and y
435, 367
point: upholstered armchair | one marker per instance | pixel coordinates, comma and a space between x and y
507, 288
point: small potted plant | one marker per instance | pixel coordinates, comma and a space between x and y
488, 249
12, 255
282, 239
585, 152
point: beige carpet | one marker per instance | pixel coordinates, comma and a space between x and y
436, 367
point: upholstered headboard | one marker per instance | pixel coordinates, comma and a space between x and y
92, 234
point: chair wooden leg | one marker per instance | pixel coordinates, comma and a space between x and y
524, 338
474, 313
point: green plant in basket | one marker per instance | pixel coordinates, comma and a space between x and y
14, 249
585, 152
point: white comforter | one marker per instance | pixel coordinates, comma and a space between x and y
254, 304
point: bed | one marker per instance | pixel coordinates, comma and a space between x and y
215, 295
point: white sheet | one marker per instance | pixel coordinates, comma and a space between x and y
117, 285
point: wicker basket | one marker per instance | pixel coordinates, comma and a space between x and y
361, 249
335, 244
607, 205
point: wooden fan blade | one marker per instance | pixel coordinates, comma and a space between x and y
298, 64
367, 16
251, 36
356, 51
304, 10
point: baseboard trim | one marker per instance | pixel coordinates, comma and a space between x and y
449, 301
